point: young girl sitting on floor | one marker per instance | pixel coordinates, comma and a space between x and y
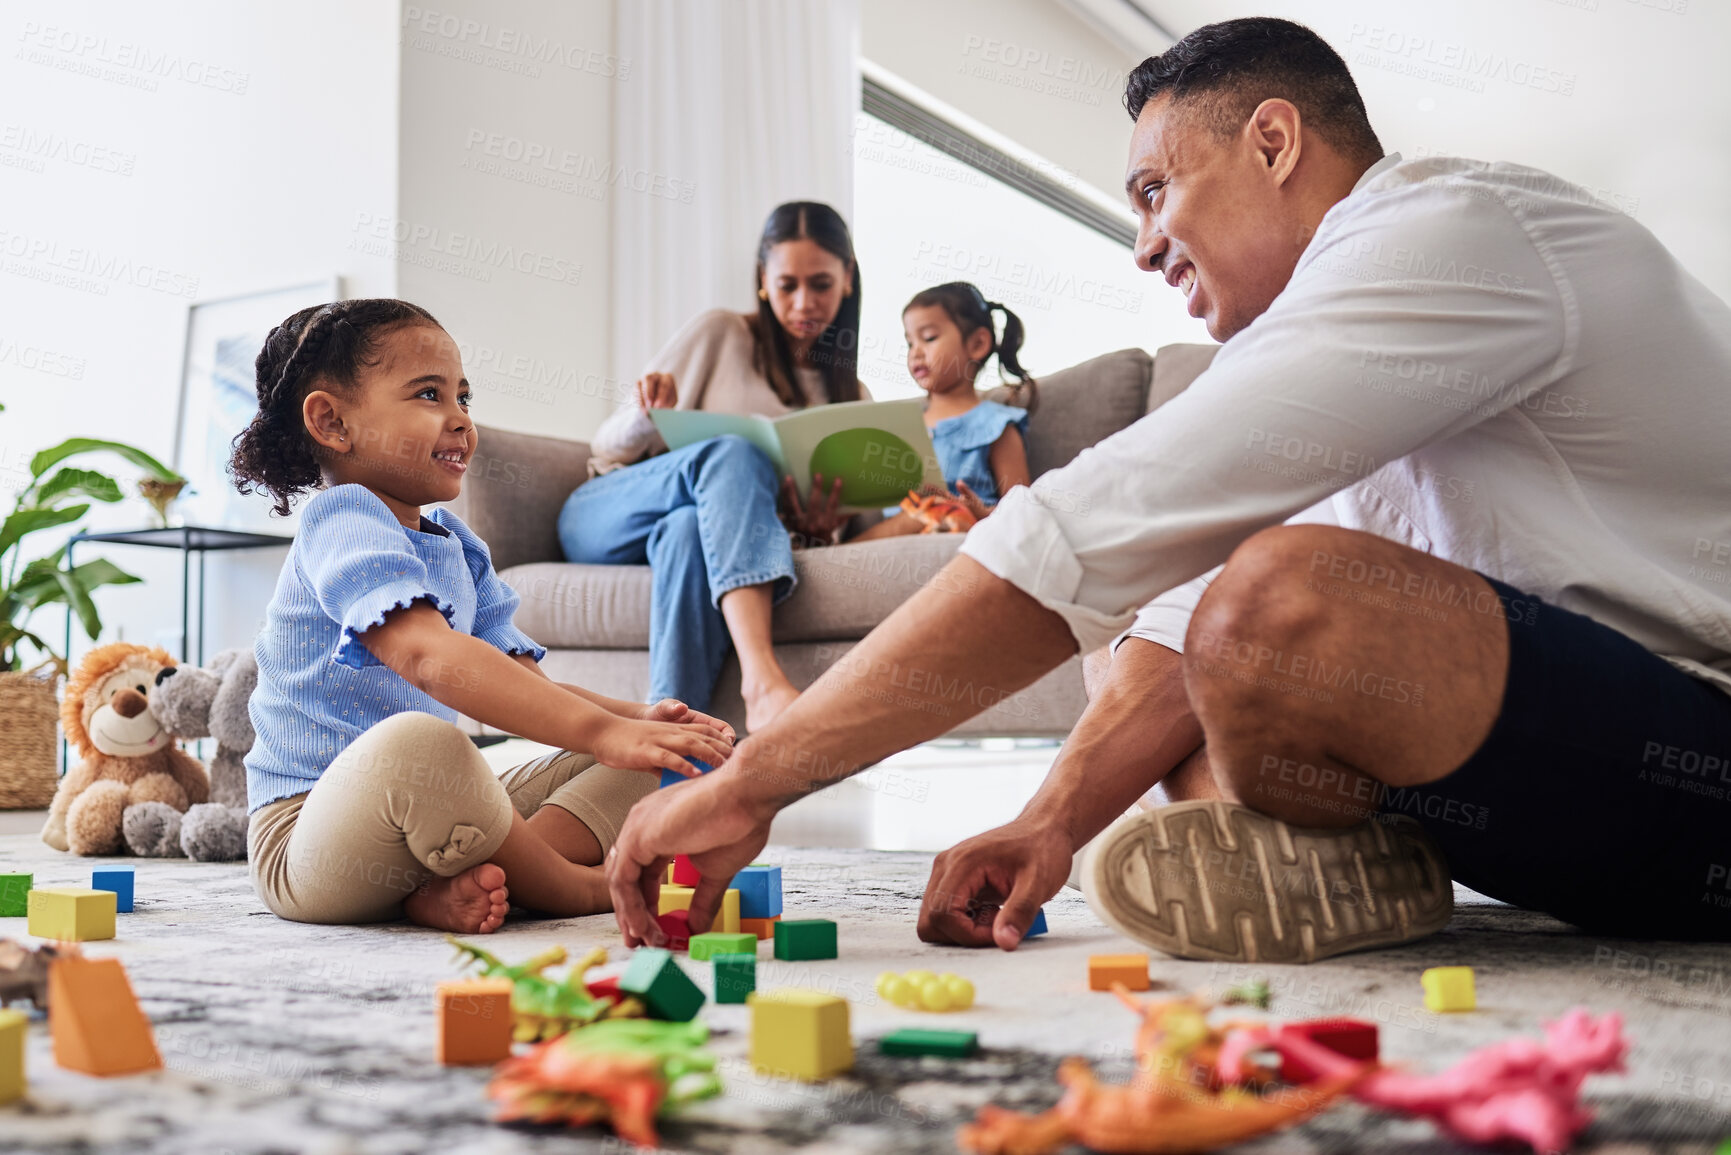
979, 443
367, 802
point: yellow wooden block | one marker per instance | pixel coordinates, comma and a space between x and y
800, 1034
669, 880
12, 1082
72, 913
728, 923
675, 898
1448, 989
679, 898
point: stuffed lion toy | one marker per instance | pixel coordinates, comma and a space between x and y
129, 756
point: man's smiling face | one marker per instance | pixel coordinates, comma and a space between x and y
1212, 216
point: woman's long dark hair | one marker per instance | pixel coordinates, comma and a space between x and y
836, 352
970, 310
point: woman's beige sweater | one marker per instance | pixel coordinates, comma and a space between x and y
711, 361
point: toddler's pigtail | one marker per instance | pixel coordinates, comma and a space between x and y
1024, 391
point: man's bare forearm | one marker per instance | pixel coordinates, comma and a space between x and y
938, 660
1134, 731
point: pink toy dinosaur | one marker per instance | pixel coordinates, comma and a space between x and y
1518, 1089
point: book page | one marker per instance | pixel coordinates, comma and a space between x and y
880, 449
682, 427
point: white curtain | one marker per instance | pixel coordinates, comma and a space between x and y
732, 107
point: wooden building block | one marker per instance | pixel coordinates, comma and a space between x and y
674, 898
1038, 926
1449, 989
735, 976
799, 939
666, 991
707, 946
1106, 969
97, 1025
800, 1034
119, 879
475, 1021
1354, 1038
683, 873
759, 891
14, 889
727, 919
72, 913
945, 1044
762, 927
13, 1084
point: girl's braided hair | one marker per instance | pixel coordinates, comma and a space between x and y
970, 310
327, 344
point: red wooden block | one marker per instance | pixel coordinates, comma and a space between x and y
685, 874
1354, 1038
607, 988
676, 925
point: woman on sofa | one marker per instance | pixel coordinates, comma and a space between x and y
705, 517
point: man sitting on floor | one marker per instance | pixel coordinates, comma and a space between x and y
1513, 650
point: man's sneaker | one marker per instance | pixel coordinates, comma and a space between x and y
1212, 880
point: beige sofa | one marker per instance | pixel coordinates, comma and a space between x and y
594, 620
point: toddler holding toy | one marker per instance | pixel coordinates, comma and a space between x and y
980, 444
367, 802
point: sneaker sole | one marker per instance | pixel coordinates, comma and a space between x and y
1213, 880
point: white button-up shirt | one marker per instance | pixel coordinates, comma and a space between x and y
1479, 361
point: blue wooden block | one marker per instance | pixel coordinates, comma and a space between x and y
759, 891
119, 880
1038, 926
671, 777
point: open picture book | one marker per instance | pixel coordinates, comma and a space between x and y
880, 449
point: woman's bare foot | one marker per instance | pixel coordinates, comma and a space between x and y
473, 902
763, 703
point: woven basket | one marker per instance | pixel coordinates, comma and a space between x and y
28, 715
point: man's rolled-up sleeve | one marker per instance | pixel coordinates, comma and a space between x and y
1297, 406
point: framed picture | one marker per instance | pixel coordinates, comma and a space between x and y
219, 395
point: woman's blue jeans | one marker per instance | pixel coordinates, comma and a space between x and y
704, 519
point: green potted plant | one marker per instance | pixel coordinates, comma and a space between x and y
54, 498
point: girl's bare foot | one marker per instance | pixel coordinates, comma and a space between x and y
473, 902
763, 703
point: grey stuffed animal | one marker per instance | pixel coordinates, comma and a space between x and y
199, 703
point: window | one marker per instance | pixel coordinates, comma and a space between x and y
922, 217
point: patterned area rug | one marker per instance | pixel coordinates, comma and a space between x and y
287, 1038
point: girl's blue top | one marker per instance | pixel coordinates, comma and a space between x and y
352, 562
964, 445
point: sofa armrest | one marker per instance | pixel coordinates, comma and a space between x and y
516, 485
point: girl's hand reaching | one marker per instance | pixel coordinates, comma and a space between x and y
819, 516
673, 710
635, 744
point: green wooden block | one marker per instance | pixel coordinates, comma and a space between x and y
735, 976
666, 991
915, 1041
707, 946
14, 889
801, 939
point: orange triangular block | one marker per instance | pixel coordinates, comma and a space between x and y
95, 1019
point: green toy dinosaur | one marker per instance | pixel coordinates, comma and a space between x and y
546, 1008
621, 1071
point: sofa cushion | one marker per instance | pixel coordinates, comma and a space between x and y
516, 485
1175, 367
1084, 404
843, 592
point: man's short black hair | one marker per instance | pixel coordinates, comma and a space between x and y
1229, 68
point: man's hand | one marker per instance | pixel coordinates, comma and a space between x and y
987, 889
657, 391
712, 821
673, 710
637, 745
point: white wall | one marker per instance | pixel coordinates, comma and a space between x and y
1030, 69
1631, 98
155, 155
501, 222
